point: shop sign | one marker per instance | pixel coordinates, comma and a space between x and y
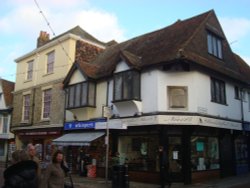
211, 122
81, 125
39, 133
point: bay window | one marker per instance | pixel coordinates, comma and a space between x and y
81, 95
127, 86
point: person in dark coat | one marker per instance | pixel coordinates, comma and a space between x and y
55, 172
22, 173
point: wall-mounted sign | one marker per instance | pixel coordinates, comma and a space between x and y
81, 125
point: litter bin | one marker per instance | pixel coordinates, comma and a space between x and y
120, 176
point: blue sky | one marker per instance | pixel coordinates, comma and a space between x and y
21, 22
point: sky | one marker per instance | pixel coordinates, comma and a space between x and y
22, 20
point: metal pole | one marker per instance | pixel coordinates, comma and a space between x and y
107, 149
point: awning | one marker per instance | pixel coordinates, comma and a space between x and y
77, 139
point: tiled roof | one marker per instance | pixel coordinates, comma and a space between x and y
184, 40
80, 32
8, 88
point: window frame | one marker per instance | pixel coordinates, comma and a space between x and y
26, 107
170, 98
214, 45
125, 89
77, 91
50, 62
218, 91
47, 101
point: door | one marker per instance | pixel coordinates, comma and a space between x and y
175, 158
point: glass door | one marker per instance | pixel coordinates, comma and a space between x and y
175, 158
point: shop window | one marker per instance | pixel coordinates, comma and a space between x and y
2, 148
140, 152
241, 151
204, 153
127, 86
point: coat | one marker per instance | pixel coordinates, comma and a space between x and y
54, 176
21, 175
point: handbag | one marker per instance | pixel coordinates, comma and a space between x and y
69, 184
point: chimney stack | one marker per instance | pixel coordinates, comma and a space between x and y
42, 39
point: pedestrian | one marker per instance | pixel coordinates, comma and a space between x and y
22, 173
55, 172
31, 150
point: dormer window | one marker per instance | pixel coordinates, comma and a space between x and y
127, 85
214, 45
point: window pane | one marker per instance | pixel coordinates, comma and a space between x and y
47, 103
127, 85
26, 107
78, 95
84, 94
118, 87
2, 148
218, 91
209, 43
219, 47
248, 101
204, 153
136, 85
5, 124
71, 96
91, 94
50, 62
30, 70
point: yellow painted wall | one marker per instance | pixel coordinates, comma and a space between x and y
64, 57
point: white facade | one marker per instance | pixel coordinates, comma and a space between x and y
154, 98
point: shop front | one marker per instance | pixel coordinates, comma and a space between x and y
185, 149
84, 147
42, 140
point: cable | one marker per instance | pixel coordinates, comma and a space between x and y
52, 30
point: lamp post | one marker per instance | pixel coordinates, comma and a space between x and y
107, 114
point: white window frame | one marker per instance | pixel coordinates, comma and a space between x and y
179, 101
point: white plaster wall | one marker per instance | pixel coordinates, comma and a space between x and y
76, 77
2, 101
121, 66
154, 94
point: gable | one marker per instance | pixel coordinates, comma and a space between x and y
76, 77
121, 66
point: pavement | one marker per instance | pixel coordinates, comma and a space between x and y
241, 181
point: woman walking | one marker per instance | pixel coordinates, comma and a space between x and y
55, 172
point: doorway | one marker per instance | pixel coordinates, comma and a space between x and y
175, 158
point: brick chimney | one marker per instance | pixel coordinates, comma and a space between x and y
42, 39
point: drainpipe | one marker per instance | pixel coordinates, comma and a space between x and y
242, 108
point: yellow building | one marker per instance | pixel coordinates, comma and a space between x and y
39, 99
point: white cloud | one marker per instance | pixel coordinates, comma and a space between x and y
235, 28
26, 20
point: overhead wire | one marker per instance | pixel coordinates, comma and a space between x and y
54, 35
